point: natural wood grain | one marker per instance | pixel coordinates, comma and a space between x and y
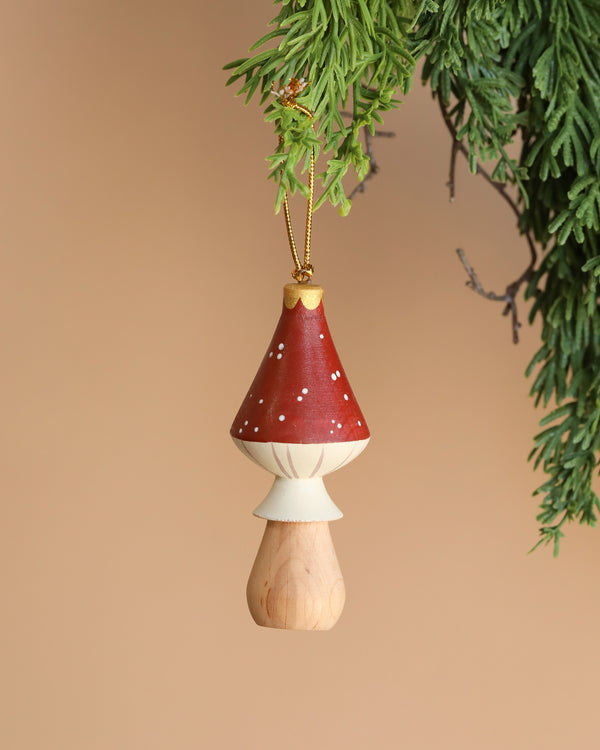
296, 582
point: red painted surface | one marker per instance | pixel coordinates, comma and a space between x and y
300, 393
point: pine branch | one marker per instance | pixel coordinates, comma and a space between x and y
345, 48
532, 67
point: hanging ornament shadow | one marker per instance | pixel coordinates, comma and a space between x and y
300, 421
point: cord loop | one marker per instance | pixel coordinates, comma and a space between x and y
302, 271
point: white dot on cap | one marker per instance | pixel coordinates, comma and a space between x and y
333, 376
299, 398
337, 372
339, 425
333, 421
245, 423
359, 423
261, 400
270, 354
305, 391
256, 429
240, 429
331, 432
281, 346
321, 336
282, 417
346, 396
280, 355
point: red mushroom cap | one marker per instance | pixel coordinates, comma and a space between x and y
300, 393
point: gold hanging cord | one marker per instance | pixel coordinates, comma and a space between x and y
302, 271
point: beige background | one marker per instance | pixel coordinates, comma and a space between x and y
141, 281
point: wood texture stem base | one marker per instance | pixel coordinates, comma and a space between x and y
296, 582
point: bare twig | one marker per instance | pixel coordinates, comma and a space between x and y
512, 289
451, 183
373, 166
508, 296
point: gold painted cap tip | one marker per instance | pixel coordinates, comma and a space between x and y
310, 294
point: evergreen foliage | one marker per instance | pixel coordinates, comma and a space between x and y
525, 70
349, 50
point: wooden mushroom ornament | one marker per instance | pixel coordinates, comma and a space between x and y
300, 421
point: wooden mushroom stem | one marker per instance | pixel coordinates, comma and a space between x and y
296, 582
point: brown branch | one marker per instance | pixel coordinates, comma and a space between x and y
452, 171
373, 166
508, 296
512, 289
